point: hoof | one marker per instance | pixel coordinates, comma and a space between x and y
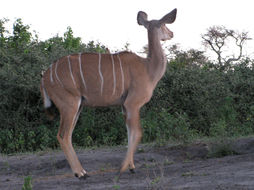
83, 177
132, 170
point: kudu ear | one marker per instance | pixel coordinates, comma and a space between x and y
142, 18
169, 18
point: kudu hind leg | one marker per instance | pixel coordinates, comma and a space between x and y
69, 116
134, 136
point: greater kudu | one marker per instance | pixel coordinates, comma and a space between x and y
94, 79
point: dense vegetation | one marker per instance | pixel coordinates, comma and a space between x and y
195, 97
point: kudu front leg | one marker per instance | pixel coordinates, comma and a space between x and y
134, 136
69, 118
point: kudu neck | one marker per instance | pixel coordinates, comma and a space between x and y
157, 63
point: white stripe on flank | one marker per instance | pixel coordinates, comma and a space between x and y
121, 73
69, 62
47, 102
57, 75
114, 75
99, 67
128, 115
81, 73
51, 77
75, 119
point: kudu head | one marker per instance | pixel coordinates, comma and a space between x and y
158, 26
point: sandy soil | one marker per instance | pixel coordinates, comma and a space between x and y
167, 167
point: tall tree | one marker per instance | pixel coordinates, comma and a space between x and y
218, 37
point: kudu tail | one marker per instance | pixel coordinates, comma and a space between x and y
46, 101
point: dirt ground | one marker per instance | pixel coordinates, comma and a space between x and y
167, 167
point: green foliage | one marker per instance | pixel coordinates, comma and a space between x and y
2, 32
21, 35
70, 42
102, 126
27, 183
162, 126
23, 124
194, 98
215, 103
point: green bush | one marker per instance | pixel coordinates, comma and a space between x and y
163, 126
23, 124
195, 97
102, 126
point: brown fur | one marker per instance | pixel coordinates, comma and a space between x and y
132, 87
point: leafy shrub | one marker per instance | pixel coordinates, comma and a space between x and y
102, 126
163, 126
193, 98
